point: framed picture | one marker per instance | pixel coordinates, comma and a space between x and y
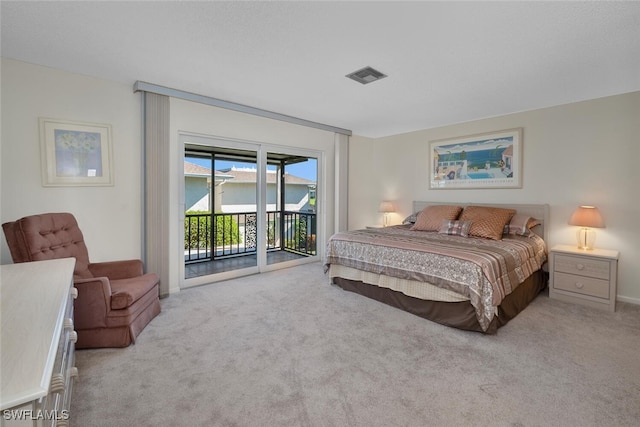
490, 160
75, 153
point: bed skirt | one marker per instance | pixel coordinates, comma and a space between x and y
459, 315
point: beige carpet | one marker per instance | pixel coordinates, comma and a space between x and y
286, 348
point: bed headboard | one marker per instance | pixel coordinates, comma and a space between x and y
539, 212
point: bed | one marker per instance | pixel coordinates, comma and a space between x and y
469, 266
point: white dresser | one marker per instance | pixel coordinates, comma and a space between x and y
37, 343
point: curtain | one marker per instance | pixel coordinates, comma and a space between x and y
341, 182
156, 187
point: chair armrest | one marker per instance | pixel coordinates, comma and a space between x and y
116, 270
93, 302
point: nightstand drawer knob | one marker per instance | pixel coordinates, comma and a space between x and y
579, 285
580, 266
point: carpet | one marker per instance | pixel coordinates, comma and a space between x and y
286, 348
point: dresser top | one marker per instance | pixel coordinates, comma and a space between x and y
33, 299
574, 250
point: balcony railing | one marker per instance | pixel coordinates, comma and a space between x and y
213, 236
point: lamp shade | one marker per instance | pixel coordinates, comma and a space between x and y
386, 207
587, 216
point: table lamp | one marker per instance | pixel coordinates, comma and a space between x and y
586, 217
386, 207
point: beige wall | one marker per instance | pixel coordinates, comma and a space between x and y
582, 153
573, 154
108, 216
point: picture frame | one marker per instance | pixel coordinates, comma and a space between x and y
75, 153
487, 160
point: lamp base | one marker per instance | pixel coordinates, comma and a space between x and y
586, 238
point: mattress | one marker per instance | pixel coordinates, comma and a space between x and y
412, 288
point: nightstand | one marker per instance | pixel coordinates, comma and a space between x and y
584, 277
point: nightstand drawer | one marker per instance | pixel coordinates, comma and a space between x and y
581, 285
584, 267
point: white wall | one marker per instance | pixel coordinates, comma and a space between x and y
110, 217
573, 154
581, 153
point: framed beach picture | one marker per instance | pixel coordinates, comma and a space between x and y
75, 153
490, 160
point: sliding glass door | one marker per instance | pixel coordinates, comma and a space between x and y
247, 208
220, 190
291, 206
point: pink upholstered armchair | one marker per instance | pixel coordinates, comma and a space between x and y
116, 300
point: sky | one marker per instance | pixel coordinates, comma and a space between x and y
306, 170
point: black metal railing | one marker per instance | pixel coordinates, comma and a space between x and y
210, 236
299, 232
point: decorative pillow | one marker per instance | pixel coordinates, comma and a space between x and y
531, 225
455, 228
411, 219
430, 218
520, 225
487, 222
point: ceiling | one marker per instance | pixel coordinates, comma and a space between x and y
447, 62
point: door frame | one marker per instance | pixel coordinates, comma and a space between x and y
262, 149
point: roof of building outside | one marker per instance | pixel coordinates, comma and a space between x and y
239, 175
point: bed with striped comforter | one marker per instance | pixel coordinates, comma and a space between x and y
482, 270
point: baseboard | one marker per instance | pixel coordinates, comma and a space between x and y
629, 300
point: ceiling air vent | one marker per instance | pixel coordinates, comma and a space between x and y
366, 75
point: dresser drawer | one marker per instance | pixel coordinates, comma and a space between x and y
582, 266
582, 285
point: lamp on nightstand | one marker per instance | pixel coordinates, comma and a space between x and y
386, 208
586, 217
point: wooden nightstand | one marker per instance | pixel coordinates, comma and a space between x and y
584, 277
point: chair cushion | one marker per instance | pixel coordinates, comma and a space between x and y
125, 292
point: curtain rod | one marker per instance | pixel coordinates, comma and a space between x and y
175, 93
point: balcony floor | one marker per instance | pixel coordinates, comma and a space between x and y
204, 268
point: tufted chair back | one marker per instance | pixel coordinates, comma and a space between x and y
48, 236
